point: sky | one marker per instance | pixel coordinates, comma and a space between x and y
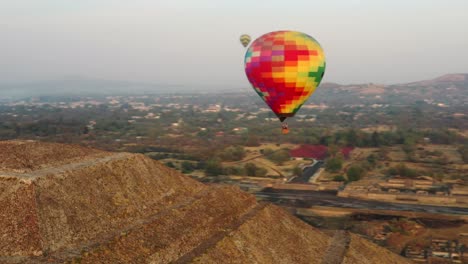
196, 43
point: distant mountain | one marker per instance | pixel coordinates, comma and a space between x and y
81, 87
450, 89
454, 79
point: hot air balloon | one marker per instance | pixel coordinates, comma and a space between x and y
285, 68
245, 40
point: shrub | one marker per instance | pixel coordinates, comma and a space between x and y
355, 173
213, 167
187, 167
339, 178
334, 164
252, 170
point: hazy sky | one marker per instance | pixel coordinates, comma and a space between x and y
195, 42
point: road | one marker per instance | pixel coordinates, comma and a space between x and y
308, 172
305, 199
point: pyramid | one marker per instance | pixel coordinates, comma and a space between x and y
66, 203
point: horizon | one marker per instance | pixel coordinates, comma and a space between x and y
87, 78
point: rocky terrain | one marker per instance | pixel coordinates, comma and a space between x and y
65, 203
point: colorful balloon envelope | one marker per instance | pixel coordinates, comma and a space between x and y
285, 68
245, 40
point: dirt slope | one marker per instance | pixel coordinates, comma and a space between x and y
64, 203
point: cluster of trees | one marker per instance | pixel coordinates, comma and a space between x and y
334, 164
407, 137
159, 153
403, 170
215, 168
113, 122
8, 130
42, 128
47, 121
253, 170
232, 153
355, 172
359, 138
277, 156
186, 166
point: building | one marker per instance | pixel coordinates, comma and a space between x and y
317, 152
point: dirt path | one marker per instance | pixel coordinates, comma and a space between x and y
256, 157
252, 158
214, 239
249, 159
67, 167
337, 248
277, 171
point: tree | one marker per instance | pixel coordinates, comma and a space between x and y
187, 167
442, 136
355, 173
375, 139
352, 137
334, 164
170, 164
408, 146
232, 153
402, 170
279, 157
213, 167
252, 170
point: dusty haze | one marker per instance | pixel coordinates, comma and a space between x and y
196, 42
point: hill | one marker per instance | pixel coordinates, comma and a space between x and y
450, 90
451, 79
65, 203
